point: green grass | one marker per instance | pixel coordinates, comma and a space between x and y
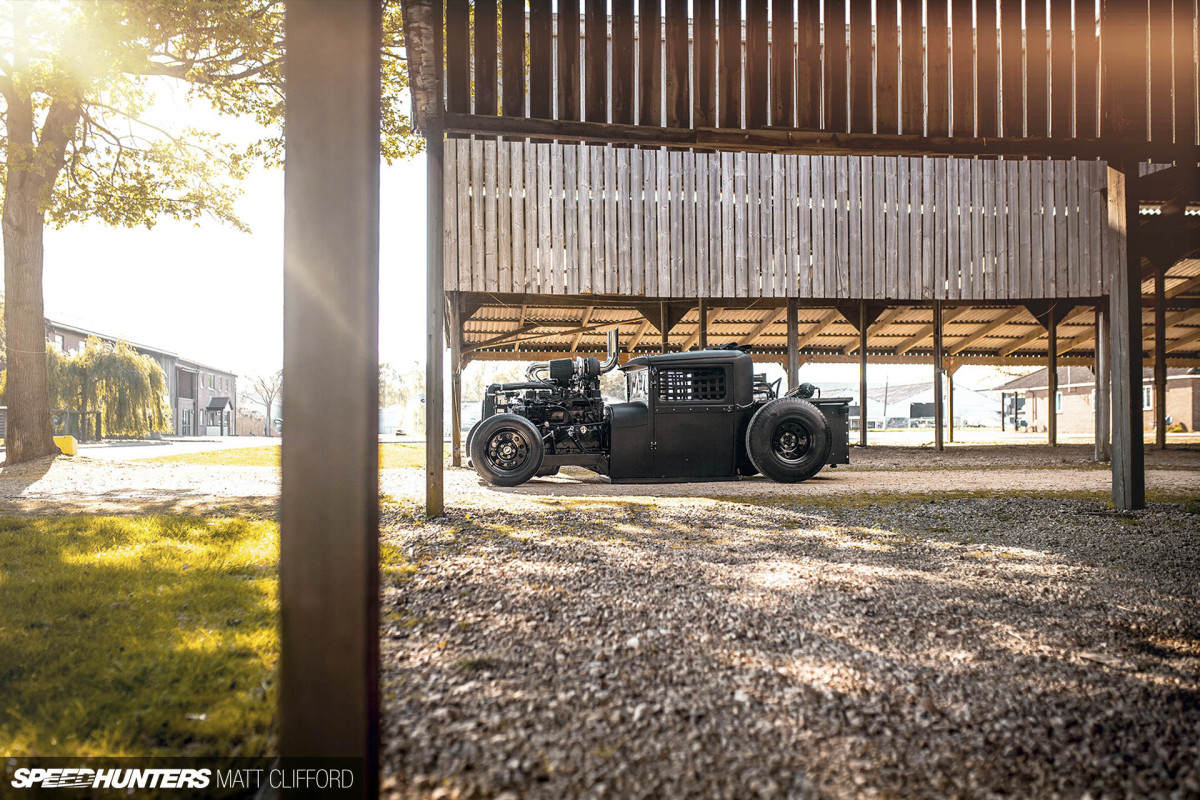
138, 636
391, 456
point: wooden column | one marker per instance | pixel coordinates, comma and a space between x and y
793, 344
1052, 376
329, 556
862, 374
456, 368
937, 375
1103, 373
950, 401
703, 323
1160, 359
1003, 412
1125, 324
662, 315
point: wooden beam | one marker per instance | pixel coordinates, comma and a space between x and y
329, 531
1185, 286
701, 326
456, 369
638, 334
1160, 361
1128, 466
518, 336
1038, 332
587, 317
982, 331
946, 318
770, 319
863, 326
1183, 341
878, 325
793, 343
825, 320
938, 326
1052, 376
1103, 372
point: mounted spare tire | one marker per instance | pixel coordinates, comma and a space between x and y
789, 440
506, 450
471, 435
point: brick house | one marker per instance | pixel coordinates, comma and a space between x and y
203, 399
1075, 403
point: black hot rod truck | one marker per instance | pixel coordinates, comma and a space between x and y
697, 416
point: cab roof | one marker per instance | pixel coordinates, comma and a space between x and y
692, 358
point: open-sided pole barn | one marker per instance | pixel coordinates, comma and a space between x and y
945, 182
1101, 108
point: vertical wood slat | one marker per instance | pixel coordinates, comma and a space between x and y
531, 219
637, 225
664, 226
866, 191
741, 269
765, 228
1185, 75
600, 264
988, 67
978, 247
830, 256
675, 187
862, 84
485, 57
1036, 250
541, 59
491, 265
853, 195
649, 42
835, 66
816, 173
450, 216
556, 259
689, 210
715, 251
988, 214
892, 231
583, 209
954, 234
458, 59
477, 232
570, 183
888, 60
596, 60
940, 223
781, 212
567, 45
1087, 284
504, 216
841, 222
1125, 101
903, 235
757, 66
517, 187
622, 62
783, 72
1161, 67
1012, 171
929, 227
704, 63
611, 264
677, 67
624, 256
703, 193
1050, 255
729, 68
753, 261
804, 231
1025, 228
1087, 66
1037, 50
966, 250
727, 225
544, 234
913, 74
1003, 229
1073, 245
962, 74
512, 61
1012, 67
1061, 231
879, 224
915, 243
1061, 78
808, 66
939, 67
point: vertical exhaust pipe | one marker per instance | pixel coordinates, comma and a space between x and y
612, 349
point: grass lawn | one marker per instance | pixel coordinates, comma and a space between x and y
391, 456
138, 636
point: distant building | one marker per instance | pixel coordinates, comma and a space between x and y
910, 405
1076, 399
203, 399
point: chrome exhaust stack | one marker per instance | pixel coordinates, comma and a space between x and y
612, 349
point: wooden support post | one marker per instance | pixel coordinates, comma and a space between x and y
435, 312
456, 368
1052, 376
937, 375
1125, 324
703, 323
862, 373
1103, 373
950, 402
1003, 412
793, 341
662, 315
1160, 359
329, 531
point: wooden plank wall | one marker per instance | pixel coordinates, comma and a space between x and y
546, 218
964, 68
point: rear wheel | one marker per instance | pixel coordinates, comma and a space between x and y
789, 440
506, 450
471, 435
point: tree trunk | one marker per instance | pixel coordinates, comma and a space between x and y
29, 429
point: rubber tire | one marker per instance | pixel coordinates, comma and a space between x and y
762, 427
491, 426
545, 472
467, 442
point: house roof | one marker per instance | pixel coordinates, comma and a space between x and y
1080, 376
218, 404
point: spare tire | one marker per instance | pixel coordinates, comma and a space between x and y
789, 440
506, 450
467, 443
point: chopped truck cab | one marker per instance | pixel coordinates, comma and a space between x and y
702, 415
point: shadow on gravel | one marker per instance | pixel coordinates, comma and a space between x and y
720, 648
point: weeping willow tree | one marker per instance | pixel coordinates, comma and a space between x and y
128, 390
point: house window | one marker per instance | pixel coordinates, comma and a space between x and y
211, 384
1058, 402
1147, 398
58, 340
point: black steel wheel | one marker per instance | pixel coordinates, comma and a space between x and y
467, 443
789, 440
506, 450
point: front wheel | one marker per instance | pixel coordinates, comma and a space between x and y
789, 440
506, 450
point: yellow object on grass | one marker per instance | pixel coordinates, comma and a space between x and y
67, 445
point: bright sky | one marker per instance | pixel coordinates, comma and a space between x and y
215, 295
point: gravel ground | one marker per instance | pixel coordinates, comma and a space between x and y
692, 647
